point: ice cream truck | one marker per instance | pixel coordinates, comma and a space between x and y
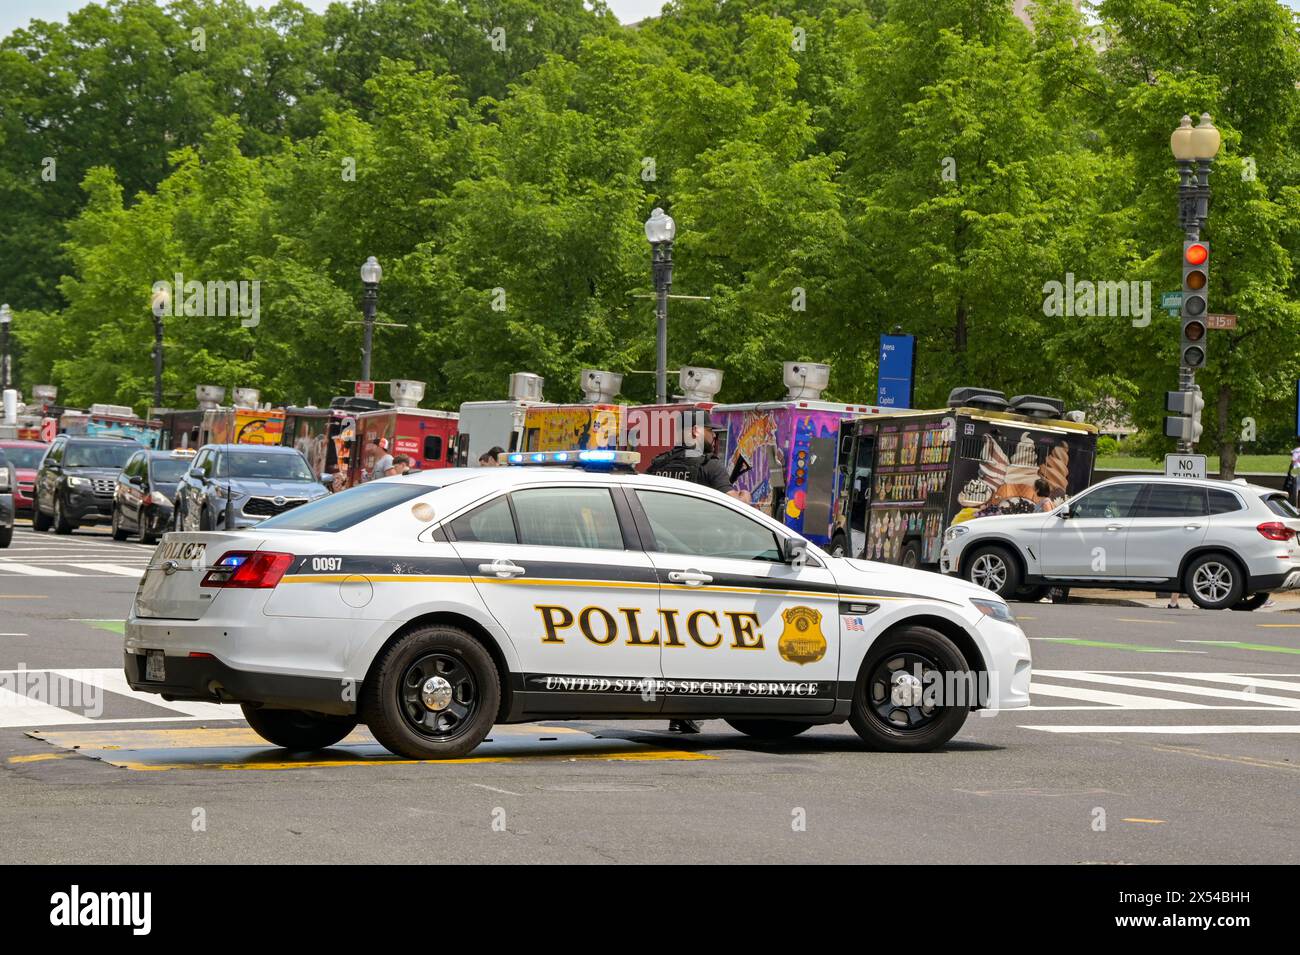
906, 476
117, 421
246, 423
596, 422
427, 436
784, 453
485, 425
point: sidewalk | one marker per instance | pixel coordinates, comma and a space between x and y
1282, 603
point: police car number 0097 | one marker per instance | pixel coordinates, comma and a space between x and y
326, 563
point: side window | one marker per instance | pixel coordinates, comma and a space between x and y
1224, 502
55, 454
488, 523
568, 517
1112, 501
432, 447
1171, 500
690, 525
204, 463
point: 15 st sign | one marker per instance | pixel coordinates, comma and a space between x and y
1219, 320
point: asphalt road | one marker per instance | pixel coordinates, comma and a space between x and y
1156, 736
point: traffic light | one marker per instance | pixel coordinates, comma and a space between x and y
1187, 407
1196, 282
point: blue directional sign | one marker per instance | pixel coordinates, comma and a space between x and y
897, 370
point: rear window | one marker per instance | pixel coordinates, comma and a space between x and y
1223, 502
25, 457
338, 512
1279, 505
170, 470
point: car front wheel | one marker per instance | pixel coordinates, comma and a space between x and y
993, 568
119, 533
432, 694
298, 729
1214, 581
906, 699
61, 523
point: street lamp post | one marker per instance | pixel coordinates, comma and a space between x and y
371, 274
660, 230
1194, 149
158, 306
6, 316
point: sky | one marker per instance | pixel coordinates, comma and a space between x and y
16, 13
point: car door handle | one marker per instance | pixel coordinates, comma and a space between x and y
501, 568
1191, 527
1114, 527
691, 578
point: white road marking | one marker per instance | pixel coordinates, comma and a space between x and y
17, 709
29, 570
1129, 701
112, 569
1243, 679
1286, 702
1177, 730
114, 681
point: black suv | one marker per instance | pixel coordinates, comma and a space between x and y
8, 482
75, 482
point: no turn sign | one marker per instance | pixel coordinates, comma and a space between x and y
1185, 465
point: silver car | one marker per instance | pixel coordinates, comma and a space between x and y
1227, 544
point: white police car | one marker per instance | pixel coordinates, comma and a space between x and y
430, 606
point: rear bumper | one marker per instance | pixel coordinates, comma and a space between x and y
210, 680
1289, 579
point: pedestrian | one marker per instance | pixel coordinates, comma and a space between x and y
695, 461
382, 466
491, 457
401, 464
1289, 482
375, 454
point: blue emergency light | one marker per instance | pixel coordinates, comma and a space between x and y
598, 459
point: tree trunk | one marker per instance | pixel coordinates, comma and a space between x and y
1227, 436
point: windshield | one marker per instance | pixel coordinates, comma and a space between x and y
1279, 505
104, 455
346, 508
24, 457
258, 465
170, 470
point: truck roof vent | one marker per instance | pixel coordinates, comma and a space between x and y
44, 394
405, 392
699, 384
989, 398
115, 411
525, 386
806, 379
247, 397
599, 387
209, 396
1038, 406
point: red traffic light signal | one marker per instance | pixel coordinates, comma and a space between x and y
1196, 253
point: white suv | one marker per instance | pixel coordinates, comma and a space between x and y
1227, 544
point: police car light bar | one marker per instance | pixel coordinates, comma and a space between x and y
593, 460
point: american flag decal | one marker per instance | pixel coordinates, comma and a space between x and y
854, 623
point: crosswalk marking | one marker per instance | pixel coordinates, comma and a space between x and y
17, 709
1187, 689
114, 681
1180, 730
1128, 700
112, 569
31, 570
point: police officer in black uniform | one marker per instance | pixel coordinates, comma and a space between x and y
695, 461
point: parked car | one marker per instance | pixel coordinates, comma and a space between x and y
8, 478
146, 489
25, 456
1226, 544
256, 482
75, 481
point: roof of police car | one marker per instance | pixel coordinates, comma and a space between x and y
508, 476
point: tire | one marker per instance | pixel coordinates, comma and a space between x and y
993, 565
1214, 581
40, 520
1059, 595
6, 536
145, 536
769, 729
298, 729
1253, 602
205, 522
392, 701
879, 718
61, 523
118, 533
1031, 594
911, 556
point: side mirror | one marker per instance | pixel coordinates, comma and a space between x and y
198, 475
136, 479
1064, 512
794, 551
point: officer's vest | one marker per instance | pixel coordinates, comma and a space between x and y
677, 464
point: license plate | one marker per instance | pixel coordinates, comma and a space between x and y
155, 666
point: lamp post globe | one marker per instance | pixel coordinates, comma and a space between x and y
660, 230
371, 274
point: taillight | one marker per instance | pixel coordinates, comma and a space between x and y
252, 570
1275, 531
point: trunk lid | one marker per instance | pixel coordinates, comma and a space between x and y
171, 587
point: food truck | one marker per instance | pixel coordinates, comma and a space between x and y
245, 423
311, 431
484, 425
906, 476
117, 421
784, 453
426, 436
598, 422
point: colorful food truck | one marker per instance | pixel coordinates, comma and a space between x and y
426, 436
485, 425
111, 421
785, 453
906, 476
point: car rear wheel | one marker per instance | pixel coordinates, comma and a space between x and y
6, 535
911, 557
769, 729
993, 568
1030, 594
1214, 581
900, 703
1253, 602
61, 523
119, 534
40, 520
432, 694
839, 546
298, 729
